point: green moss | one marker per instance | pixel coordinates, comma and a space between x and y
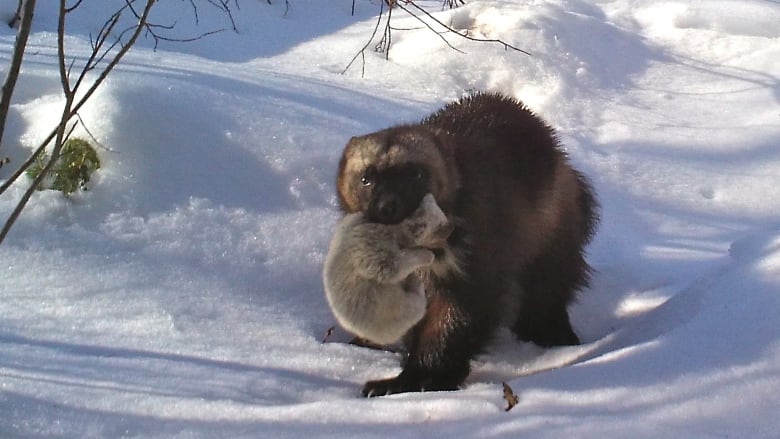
77, 161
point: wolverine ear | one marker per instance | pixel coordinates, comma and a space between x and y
344, 186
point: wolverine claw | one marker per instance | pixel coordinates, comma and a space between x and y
404, 383
390, 386
370, 392
378, 388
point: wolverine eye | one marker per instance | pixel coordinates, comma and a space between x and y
368, 177
418, 173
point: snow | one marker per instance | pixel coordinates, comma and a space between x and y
181, 295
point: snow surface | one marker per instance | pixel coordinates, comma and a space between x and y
181, 296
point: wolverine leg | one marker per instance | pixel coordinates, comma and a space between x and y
440, 351
549, 284
546, 326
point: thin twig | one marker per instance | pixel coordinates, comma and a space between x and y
385, 42
195, 11
362, 51
383, 46
328, 334
151, 27
223, 5
18, 14
73, 8
102, 36
158, 38
431, 27
30, 160
92, 136
450, 29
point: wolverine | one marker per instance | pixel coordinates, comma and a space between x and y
521, 215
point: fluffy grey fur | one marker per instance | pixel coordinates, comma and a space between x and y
369, 271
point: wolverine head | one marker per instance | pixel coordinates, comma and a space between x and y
386, 174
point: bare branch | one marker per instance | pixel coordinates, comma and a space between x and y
429, 26
28, 193
17, 15
71, 108
158, 37
223, 5
92, 136
73, 8
383, 46
362, 52
450, 29
98, 54
452, 3
61, 50
151, 27
195, 12
118, 57
105, 31
421, 15
61, 128
26, 8
30, 160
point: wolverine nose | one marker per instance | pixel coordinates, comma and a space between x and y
386, 210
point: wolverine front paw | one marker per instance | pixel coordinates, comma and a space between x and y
404, 383
388, 386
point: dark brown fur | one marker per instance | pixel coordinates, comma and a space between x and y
522, 216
